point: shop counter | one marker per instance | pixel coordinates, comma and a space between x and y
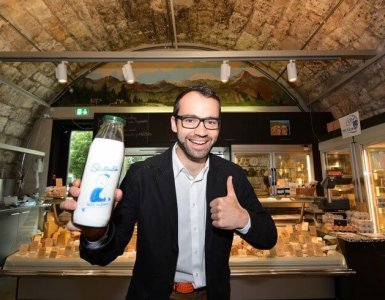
251, 277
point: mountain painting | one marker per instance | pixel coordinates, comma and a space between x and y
158, 84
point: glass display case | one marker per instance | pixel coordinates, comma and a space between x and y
360, 159
376, 161
299, 248
292, 167
338, 166
257, 168
133, 155
299, 253
276, 170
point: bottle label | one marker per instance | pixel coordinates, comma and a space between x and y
100, 179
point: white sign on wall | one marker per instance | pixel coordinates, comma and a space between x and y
350, 125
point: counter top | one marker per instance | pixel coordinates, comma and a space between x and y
334, 265
15, 209
361, 237
286, 200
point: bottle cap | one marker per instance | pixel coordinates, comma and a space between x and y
115, 119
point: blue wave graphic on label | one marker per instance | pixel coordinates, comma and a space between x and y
102, 181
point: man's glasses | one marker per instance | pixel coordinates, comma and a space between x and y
193, 122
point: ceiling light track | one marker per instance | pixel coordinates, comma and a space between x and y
182, 55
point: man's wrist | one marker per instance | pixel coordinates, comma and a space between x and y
95, 234
244, 219
99, 243
245, 228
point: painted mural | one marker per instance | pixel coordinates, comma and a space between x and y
157, 84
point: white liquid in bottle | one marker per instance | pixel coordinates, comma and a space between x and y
100, 179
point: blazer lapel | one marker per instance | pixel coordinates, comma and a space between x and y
166, 187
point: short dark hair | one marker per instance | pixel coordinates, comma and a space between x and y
201, 89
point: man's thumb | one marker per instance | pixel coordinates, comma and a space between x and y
230, 187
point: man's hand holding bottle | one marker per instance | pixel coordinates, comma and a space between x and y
91, 233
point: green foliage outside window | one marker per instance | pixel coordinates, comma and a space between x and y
79, 145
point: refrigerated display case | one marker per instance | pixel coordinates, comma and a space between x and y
292, 168
376, 166
133, 155
256, 167
299, 255
342, 167
282, 177
276, 170
361, 158
338, 166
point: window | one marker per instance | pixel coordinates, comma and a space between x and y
80, 142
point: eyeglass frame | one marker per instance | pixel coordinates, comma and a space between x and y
201, 120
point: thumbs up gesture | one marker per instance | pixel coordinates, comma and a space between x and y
226, 212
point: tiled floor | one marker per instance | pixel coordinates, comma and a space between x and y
7, 288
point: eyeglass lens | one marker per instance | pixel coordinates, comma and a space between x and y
191, 123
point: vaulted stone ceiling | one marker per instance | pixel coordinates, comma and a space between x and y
339, 86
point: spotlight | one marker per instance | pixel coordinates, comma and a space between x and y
225, 71
128, 73
291, 71
61, 72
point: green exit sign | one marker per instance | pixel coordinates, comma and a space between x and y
82, 111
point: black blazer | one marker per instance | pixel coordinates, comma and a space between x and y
150, 201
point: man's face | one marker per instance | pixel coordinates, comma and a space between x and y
196, 143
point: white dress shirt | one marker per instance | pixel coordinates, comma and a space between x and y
191, 202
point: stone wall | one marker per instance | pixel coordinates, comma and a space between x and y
99, 25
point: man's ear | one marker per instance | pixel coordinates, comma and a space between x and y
173, 124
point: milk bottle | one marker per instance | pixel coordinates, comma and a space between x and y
101, 174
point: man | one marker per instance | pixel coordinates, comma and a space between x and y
187, 203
